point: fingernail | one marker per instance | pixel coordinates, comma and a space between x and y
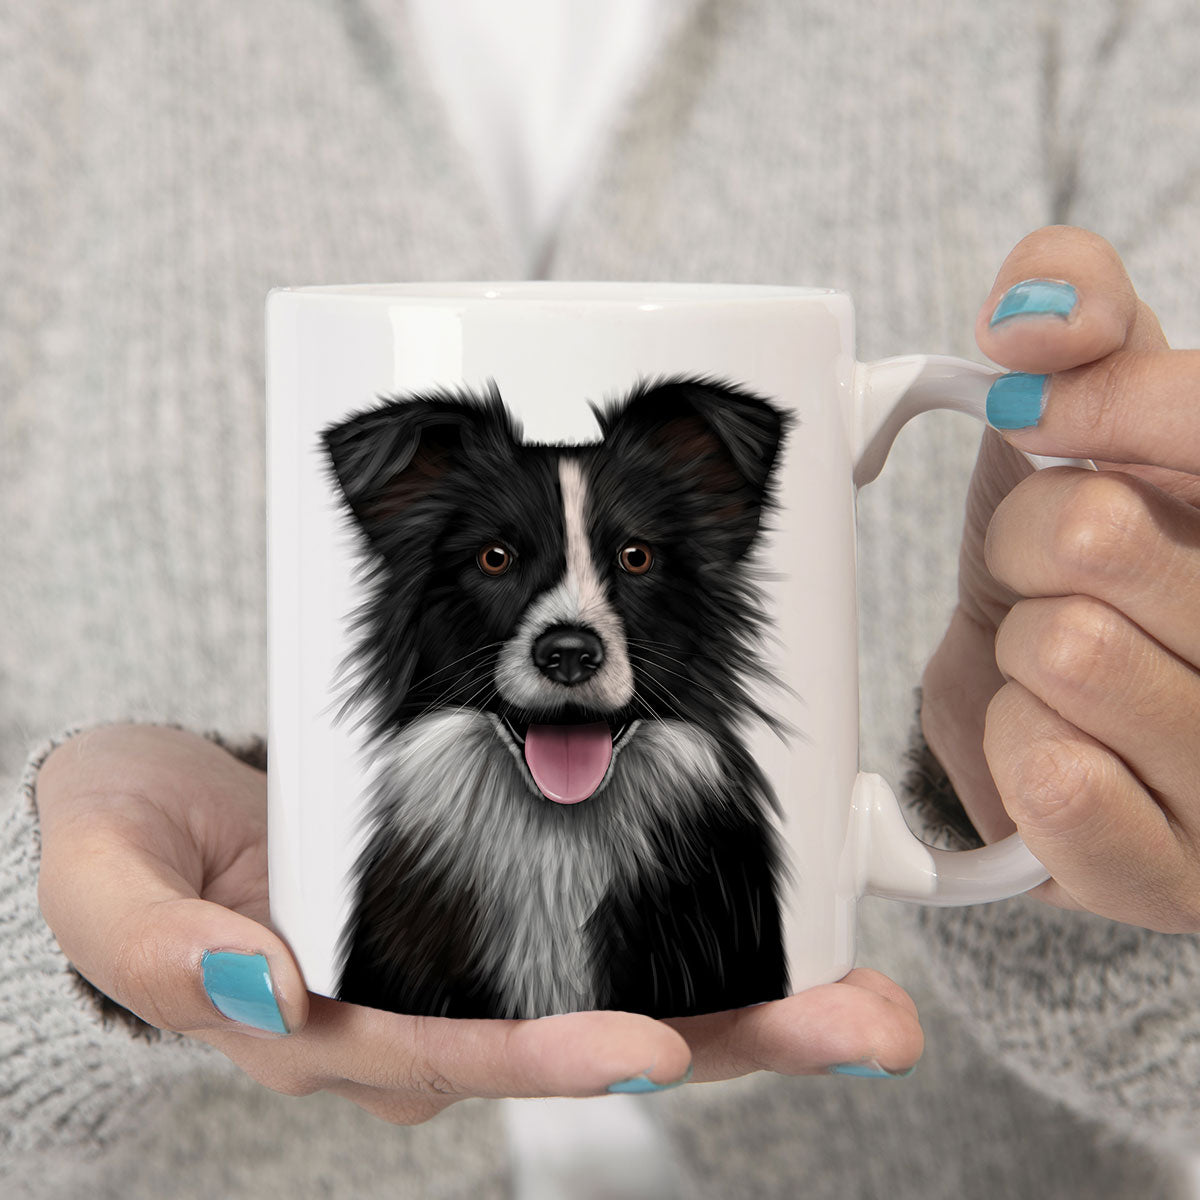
643, 1083
1035, 298
1015, 401
239, 985
868, 1068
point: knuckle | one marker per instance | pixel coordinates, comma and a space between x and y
1107, 390
420, 1073
429, 1080
1056, 787
1075, 644
1098, 532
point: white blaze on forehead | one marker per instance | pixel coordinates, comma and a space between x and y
578, 599
582, 581
582, 575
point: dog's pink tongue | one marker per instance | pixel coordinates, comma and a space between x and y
568, 761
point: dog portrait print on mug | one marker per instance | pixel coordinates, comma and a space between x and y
549, 667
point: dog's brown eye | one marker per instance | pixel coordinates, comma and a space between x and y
495, 559
636, 558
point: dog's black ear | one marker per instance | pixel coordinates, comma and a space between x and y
388, 458
721, 438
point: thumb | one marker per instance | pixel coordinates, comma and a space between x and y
118, 887
1062, 299
186, 964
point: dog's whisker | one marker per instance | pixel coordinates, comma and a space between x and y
674, 709
655, 648
664, 697
650, 681
443, 698
479, 650
660, 668
651, 715
415, 745
651, 671
484, 893
665, 670
463, 681
483, 687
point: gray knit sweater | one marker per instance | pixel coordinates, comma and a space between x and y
163, 165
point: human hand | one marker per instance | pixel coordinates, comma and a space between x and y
1064, 700
154, 851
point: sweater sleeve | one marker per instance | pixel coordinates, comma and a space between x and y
76, 1069
1100, 1014
1121, 110
1095, 1013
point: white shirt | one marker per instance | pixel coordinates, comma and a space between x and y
532, 87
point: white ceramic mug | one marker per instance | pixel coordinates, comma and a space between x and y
563, 644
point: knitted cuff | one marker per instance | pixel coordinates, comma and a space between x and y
929, 798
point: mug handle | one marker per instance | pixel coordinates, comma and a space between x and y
893, 862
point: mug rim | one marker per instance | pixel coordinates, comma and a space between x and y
644, 294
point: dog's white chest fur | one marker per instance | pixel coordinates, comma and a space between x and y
536, 870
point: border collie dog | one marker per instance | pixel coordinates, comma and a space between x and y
552, 666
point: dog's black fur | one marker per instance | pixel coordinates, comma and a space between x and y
685, 465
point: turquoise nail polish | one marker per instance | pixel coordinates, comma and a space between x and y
1016, 401
1035, 298
870, 1069
239, 985
643, 1083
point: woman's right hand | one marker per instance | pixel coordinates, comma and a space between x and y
154, 850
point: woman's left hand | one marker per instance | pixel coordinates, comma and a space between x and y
1064, 700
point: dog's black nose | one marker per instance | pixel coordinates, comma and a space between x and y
568, 654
